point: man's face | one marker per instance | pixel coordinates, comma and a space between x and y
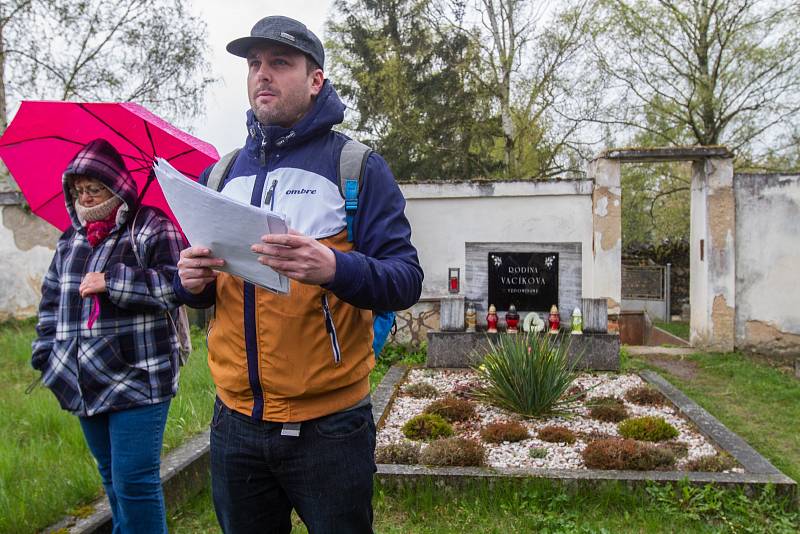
280, 88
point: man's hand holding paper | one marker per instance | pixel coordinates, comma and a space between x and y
297, 256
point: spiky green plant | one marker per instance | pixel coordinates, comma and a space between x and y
527, 374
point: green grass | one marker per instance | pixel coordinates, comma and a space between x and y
676, 328
539, 506
46, 469
395, 354
758, 401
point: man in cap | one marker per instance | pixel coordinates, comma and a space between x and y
292, 426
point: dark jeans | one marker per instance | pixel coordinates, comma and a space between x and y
258, 476
127, 447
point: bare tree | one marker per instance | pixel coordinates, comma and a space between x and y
702, 72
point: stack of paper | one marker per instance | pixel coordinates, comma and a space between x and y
225, 226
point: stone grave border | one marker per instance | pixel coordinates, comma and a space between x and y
184, 471
758, 470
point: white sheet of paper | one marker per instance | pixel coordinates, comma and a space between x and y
225, 226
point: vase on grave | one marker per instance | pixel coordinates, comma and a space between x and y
577, 321
554, 320
512, 319
471, 317
491, 320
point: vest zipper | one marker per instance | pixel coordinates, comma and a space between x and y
331, 329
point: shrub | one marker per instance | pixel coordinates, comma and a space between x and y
420, 390
645, 396
465, 389
427, 426
537, 452
454, 452
677, 448
557, 434
452, 408
626, 454
608, 409
526, 374
713, 463
404, 453
504, 431
647, 428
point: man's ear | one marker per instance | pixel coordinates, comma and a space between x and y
317, 79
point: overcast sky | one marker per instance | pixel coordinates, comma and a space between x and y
226, 103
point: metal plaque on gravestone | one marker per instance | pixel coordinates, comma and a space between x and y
528, 280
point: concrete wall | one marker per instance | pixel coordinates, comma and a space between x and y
656, 309
768, 263
27, 245
446, 216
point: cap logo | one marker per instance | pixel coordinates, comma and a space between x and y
287, 36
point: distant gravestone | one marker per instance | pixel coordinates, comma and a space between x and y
529, 280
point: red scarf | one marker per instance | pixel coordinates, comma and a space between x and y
96, 231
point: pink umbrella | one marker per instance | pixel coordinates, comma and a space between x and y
45, 136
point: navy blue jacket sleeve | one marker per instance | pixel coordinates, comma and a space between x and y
208, 296
383, 273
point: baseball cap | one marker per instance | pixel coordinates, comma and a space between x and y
280, 30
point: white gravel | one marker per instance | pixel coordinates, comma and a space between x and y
516, 455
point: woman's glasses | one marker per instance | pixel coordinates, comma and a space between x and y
92, 191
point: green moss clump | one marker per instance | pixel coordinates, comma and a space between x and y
504, 431
420, 390
427, 427
608, 409
452, 408
647, 428
645, 396
537, 452
557, 434
403, 453
713, 463
454, 452
626, 454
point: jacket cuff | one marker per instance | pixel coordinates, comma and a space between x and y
204, 299
349, 275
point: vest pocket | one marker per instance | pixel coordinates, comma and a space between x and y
331, 329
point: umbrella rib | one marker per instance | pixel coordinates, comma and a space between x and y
143, 154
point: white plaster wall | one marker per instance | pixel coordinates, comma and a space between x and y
444, 216
21, 274
698, 280
767, 252
656, 309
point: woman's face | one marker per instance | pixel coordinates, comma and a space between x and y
90, 192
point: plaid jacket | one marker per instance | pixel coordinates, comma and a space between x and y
130, 355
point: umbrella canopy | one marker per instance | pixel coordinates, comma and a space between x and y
44, 137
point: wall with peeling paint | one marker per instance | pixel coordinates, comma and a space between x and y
767, 263
27, 245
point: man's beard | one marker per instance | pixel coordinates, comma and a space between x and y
282, 112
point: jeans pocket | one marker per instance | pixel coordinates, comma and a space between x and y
343, 425
217, 416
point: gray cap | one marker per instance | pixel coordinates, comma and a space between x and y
280, 30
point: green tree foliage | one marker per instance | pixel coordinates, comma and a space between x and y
414, 88
705, 72
457, 89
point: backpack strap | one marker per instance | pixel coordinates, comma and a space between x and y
352, 162
221, 170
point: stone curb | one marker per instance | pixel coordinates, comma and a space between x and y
713, 429
184, 473
759, 471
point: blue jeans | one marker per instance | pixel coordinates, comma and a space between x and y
258, 476
127, 447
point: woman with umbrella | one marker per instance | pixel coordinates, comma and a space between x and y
106, 344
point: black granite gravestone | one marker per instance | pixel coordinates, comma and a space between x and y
529, 280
